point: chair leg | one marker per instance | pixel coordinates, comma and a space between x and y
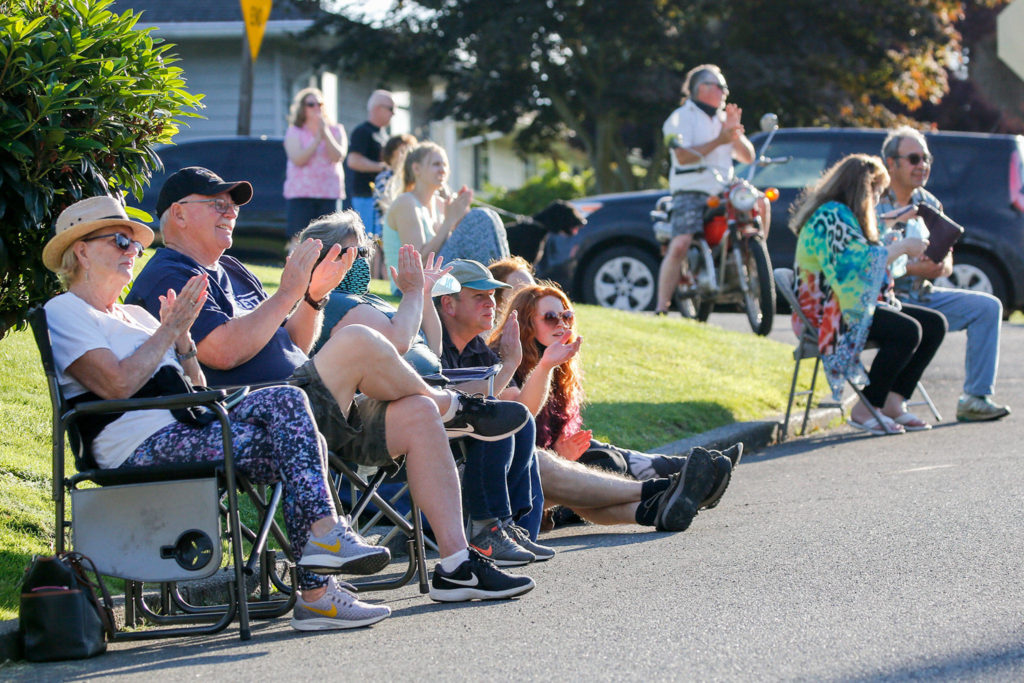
810, 395
928, 402
792, 397
420, 547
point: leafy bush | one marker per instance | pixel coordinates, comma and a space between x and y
84, 98
554, 182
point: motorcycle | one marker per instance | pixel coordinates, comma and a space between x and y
728, 261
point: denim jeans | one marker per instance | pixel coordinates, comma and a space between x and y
501, 477
982, 316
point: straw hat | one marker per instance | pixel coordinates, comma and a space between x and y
84, 217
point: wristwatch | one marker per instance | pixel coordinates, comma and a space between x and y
316, 305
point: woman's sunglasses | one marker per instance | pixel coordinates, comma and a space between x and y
314, 103
361, 252
566, 317
123, 243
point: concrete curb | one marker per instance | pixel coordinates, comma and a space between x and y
759, 433
754, 435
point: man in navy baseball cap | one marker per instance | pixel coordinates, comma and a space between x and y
202, 181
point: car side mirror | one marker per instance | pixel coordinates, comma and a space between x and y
769, 122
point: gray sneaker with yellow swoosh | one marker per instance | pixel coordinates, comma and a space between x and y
342, 551
337, 608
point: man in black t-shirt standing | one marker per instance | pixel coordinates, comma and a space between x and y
363, 162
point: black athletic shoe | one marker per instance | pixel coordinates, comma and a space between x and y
486, 419
734, 453
680, 501
476, 579
723, 473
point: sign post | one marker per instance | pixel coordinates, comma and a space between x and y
254, 14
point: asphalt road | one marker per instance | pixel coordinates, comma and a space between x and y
833, 557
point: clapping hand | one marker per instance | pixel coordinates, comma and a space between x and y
455, 208
510, 348
432, 272
179, 310
330, 271
560, 352
409, 276
572, 447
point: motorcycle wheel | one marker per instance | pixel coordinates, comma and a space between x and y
759, 299
693, 306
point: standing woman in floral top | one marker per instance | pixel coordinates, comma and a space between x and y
314, 181
844, 289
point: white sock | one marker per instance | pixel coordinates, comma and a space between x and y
452, 562
453, 407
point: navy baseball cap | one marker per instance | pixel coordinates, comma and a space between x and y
199, 180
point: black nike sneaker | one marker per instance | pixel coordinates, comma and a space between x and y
477, 579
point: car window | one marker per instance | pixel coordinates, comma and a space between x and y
809, 159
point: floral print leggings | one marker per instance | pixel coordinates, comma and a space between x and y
275, 439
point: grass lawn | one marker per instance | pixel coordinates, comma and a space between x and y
649, 381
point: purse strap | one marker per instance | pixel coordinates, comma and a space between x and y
77, 561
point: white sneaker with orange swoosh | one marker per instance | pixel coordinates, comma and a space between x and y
342, 551
337, 608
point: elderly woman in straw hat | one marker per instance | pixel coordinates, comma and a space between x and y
103, 349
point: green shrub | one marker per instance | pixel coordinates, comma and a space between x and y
84, 98
555, 181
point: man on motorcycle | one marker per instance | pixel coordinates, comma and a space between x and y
704, 133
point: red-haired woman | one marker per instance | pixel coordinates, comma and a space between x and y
546, 324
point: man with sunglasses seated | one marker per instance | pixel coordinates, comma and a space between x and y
906, 156
600, 496
245, 336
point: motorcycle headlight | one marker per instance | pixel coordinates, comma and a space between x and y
743, 197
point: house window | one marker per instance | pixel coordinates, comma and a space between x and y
481, 165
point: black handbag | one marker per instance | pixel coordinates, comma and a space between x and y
60, 615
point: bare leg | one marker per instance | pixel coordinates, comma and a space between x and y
359, 358
569, 483
671, 269
414, 428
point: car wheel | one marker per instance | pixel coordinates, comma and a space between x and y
622, 277
979, 274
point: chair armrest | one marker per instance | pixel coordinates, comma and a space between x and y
457, 375
169, 402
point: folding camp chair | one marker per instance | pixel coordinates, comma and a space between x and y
161, 524
807, 348
365, 491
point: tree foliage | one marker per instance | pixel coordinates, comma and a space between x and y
84, 98
604, 74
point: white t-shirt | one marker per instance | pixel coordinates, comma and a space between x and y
77, 327
696, 128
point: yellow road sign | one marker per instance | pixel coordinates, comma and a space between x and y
255, 14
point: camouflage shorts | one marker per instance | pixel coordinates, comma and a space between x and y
688, 212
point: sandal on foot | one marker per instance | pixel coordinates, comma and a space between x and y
911, 422
876, 428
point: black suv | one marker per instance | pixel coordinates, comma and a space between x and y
260, 230
614, 259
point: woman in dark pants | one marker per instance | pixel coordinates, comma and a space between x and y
844, 289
